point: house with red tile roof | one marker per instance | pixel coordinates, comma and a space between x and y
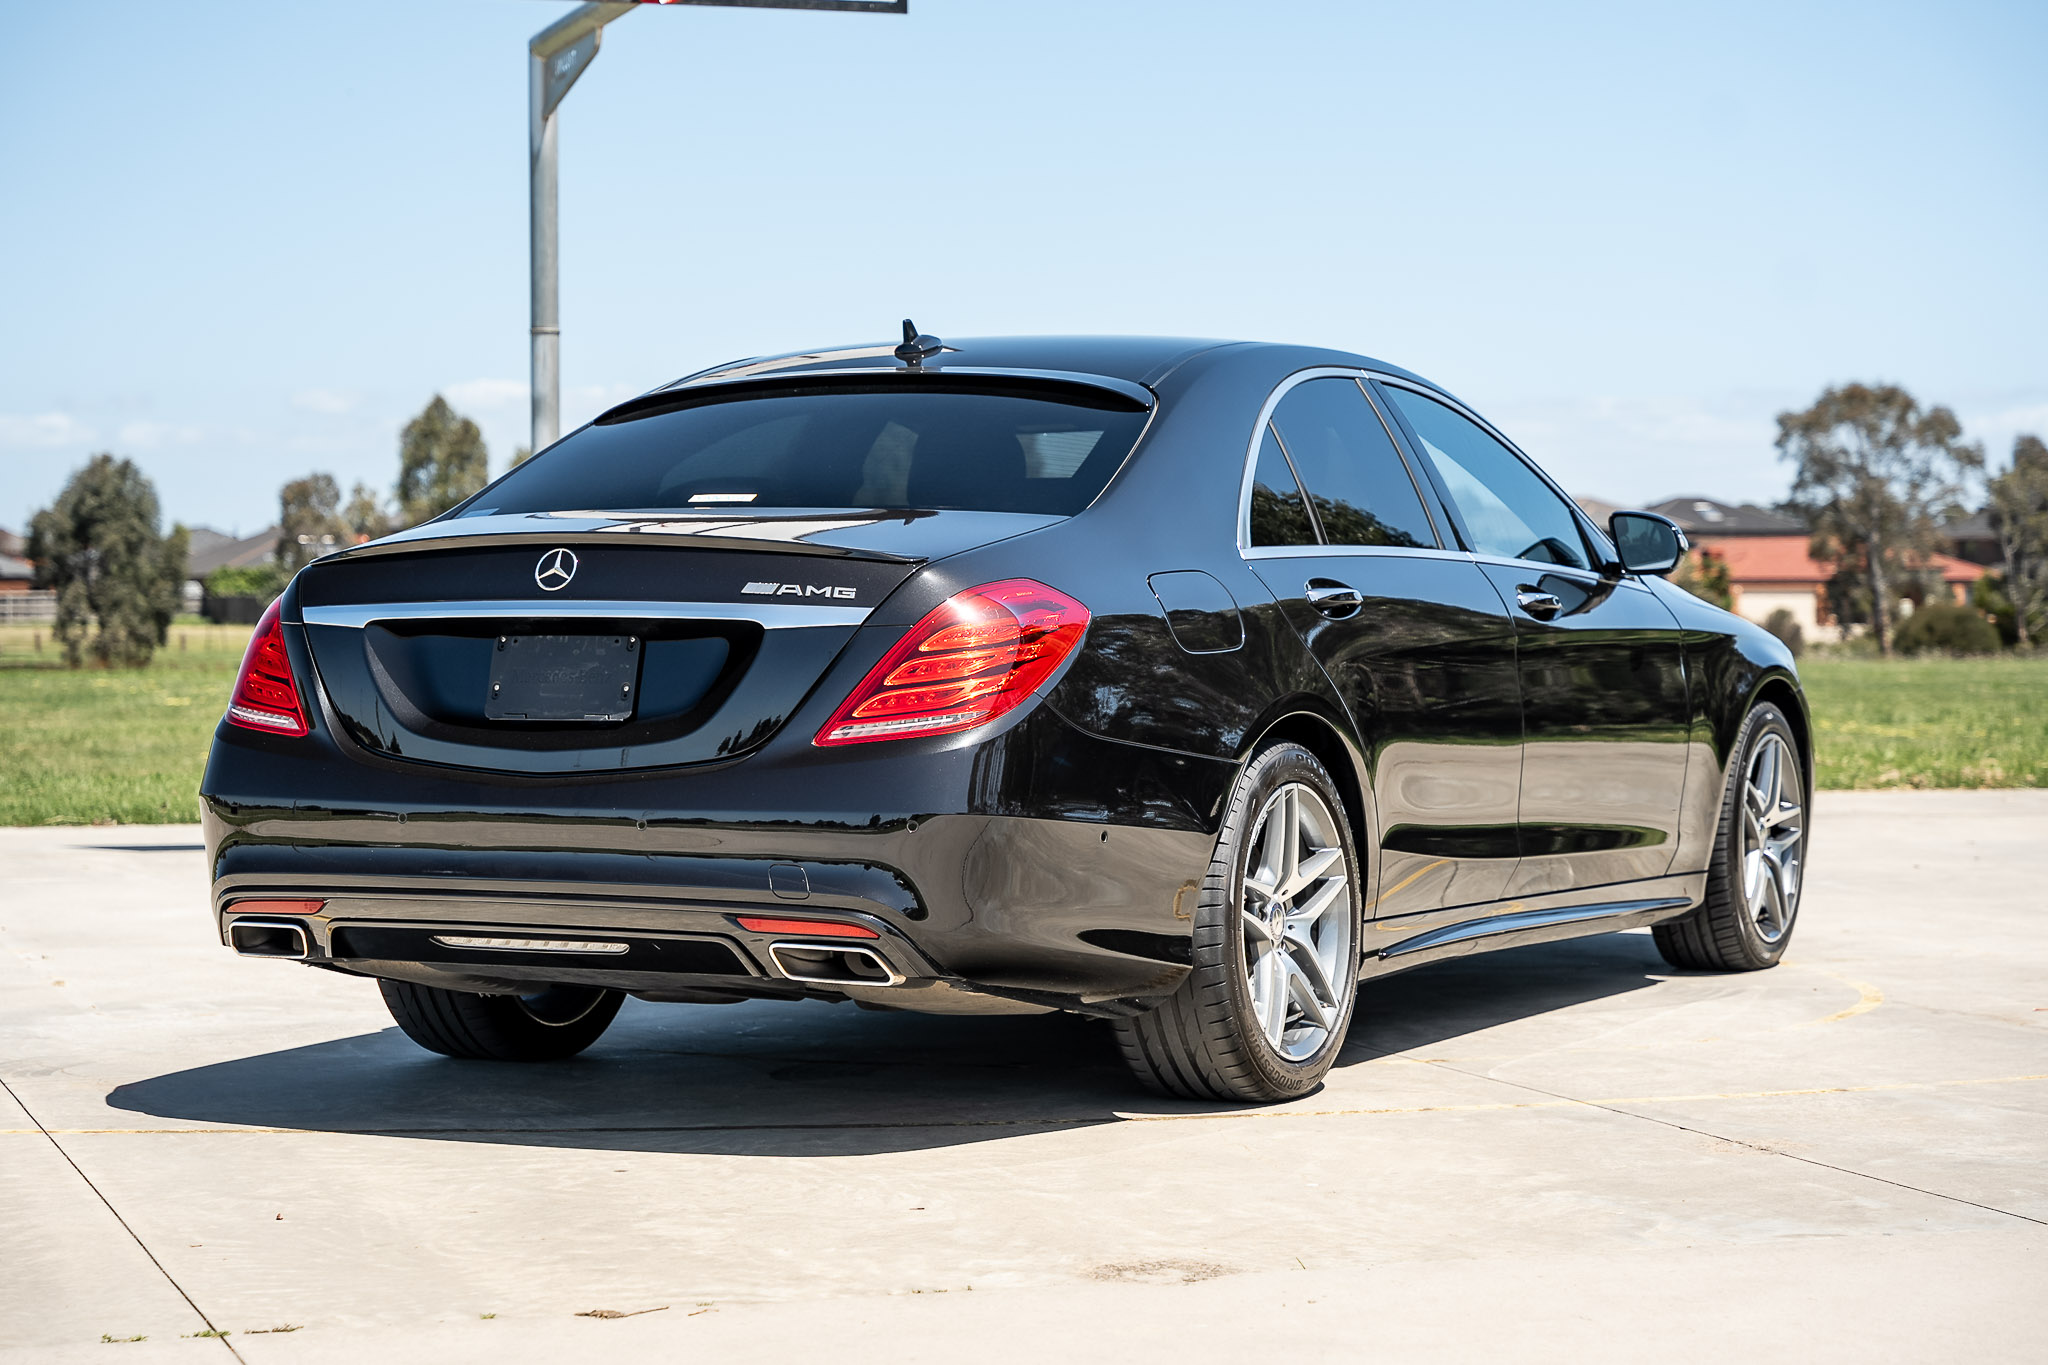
1769, 565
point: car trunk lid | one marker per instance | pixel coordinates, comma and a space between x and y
559, 644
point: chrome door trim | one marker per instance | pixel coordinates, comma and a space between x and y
772, 615
1259, 552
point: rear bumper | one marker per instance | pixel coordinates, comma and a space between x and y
1042, 867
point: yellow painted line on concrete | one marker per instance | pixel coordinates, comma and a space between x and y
1056, 1122
1868, 996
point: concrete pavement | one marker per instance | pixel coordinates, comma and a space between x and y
1562, 1152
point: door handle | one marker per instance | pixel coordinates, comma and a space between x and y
1332, 598
1541, 605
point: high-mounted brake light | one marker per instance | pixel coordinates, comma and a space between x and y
265, 696
977, 655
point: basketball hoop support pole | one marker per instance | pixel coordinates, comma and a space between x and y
557, 55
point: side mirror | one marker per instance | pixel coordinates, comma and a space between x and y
1647, 542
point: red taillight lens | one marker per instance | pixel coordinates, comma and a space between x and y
978, 654
265, 696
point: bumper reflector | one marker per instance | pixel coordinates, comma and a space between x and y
809, 928
529, 945
277, 907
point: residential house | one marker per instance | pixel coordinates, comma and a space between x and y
208, 550
1769, 566
16, 573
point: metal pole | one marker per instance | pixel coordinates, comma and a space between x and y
557, 55
546, 268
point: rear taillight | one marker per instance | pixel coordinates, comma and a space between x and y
977, 655
265, 696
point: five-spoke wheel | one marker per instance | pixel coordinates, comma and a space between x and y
1753, 880
1275, 950
1297, 915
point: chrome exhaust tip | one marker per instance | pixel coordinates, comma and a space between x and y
270, 938
833, 964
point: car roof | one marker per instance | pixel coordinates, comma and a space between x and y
1135, 359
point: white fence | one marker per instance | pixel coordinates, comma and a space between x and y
33, 605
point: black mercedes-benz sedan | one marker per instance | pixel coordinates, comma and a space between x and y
1188, 684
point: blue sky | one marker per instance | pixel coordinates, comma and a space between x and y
247, 242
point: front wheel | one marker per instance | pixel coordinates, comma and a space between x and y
1263, 1013
1759, 863
553, 1023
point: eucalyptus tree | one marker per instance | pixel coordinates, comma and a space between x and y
1875, 474
118, 579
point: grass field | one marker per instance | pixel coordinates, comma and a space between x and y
110, 745
103, 746
1929, 722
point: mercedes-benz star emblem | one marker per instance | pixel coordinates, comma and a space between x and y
555, 569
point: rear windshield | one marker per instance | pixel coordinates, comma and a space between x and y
837, 448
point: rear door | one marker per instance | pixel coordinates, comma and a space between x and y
1604, 706
1410, 632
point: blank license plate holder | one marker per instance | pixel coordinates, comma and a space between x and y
564, 678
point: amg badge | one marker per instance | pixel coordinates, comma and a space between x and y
797, 590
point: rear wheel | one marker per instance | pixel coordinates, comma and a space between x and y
1759, 863
1264, 1011
553, 1023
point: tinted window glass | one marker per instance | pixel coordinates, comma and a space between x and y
1508, 509
1349, 467
1279, 517
849, 448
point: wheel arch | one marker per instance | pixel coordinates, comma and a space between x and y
1782, 691
1307, 722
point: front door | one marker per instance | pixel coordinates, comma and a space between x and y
1411, 634
1605, 713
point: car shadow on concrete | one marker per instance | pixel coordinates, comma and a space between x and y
810, 1079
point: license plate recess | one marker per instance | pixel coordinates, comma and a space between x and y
564, 678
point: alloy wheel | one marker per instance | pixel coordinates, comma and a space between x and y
1295, 912
1773, 837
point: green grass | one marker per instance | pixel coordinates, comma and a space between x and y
99, 746
1929, 722
110, 746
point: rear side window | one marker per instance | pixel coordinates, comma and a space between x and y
854, 447
1348, 466
1510, 511
1279, 516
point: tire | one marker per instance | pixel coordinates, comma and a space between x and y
558, 1022
1753, 887
1209, 1040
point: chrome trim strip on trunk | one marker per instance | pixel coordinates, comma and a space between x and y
772, 615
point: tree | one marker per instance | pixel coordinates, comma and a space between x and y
1704, 574
309, 522
365, 516
520, 455
2019, 516
99, 547
441, 461
1875, 471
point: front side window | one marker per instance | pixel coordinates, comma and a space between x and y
1348, 466
865, 446
1508, 509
